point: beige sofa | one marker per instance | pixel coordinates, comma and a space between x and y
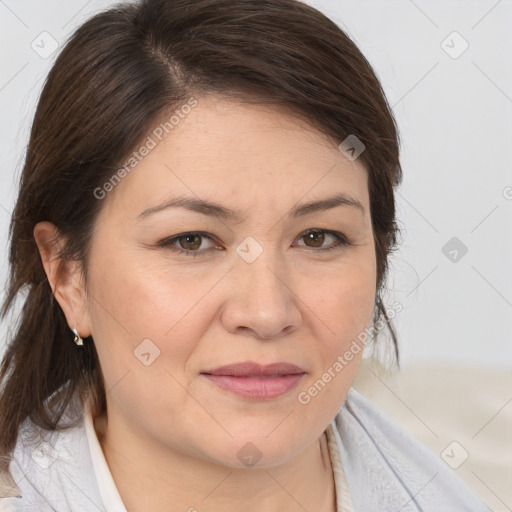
463, 414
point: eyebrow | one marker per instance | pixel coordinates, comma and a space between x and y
218, 211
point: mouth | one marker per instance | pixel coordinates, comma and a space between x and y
254, 381
252, 369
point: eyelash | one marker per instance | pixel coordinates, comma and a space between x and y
341, 242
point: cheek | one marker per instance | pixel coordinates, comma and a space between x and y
131, 302
340, 309
136, 296
352, 302
343, 299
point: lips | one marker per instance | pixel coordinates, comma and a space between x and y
251, 369
256, 382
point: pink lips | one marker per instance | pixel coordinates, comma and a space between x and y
252, 380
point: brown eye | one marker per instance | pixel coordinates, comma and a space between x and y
191, 242
315, 237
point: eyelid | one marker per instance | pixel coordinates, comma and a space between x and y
341, 242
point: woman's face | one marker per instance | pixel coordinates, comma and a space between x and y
253, 287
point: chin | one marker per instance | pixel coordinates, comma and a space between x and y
256, 451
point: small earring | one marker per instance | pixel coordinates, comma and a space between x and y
78, 340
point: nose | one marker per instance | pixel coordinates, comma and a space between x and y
261, 301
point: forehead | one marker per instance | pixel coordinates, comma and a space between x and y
241, 153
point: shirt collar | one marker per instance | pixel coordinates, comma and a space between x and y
106, 485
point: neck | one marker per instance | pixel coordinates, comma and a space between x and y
150, 477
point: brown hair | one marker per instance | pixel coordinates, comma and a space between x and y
116, 76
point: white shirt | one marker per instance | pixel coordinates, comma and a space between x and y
384, 469
111, 500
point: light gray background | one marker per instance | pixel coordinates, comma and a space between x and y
455, 121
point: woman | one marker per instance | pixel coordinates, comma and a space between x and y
255, 137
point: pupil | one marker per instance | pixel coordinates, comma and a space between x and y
192, 237
316, 236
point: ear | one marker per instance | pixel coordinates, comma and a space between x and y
65, 277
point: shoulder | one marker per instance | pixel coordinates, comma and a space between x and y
402, 474
50, 471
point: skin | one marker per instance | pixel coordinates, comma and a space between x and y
171, 436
